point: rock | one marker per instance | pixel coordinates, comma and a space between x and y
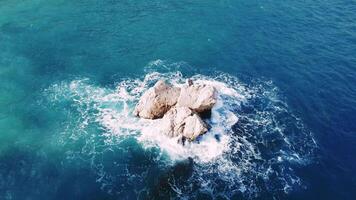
189, 82
156, 101
182, 121
194, 127
181, 108
199, 98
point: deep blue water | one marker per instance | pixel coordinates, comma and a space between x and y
65, 132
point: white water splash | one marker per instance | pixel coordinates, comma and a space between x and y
227, 154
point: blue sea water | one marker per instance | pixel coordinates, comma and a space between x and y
72, 71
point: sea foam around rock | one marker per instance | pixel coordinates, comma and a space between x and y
253, 144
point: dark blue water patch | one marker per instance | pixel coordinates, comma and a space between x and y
161, 186
318, 171
29, 174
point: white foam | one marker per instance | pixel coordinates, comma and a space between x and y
207, 149
222, 151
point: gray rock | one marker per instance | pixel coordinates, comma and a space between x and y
199, 98
156, 101
182, 121
179, 107
194, 127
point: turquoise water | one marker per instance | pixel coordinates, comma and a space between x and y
72, 71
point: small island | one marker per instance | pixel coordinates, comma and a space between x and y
178, 108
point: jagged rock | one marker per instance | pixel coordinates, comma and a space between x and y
182, 121
156, 101
194, 126
199, 98
179, 107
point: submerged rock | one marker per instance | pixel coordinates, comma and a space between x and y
199, 98
182, 121
156, 101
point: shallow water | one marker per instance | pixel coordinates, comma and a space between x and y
71, 73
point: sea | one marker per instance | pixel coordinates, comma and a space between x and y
72, 71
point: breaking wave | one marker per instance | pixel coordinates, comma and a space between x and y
253, 146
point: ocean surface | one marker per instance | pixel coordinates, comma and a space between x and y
71, 72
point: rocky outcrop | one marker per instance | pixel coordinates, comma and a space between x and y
156, 101
182, 121
179, 107
199, 98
